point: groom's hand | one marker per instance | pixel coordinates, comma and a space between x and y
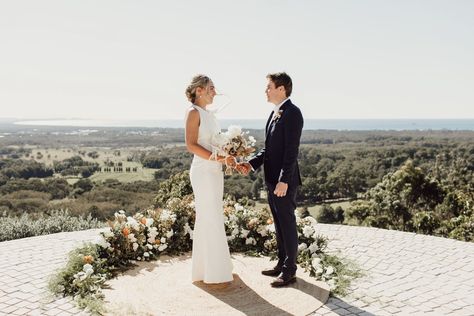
244, 168
280, 189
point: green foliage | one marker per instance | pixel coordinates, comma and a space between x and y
327, 214
75, 166
58, 188
410, 200
25, 169
82, 186
176, 186
83, 286
48, 223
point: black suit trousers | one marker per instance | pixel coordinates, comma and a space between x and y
283, 211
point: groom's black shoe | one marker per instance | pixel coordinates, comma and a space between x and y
272, 272
283, 280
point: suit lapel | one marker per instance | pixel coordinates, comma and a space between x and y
267, 126
270, 122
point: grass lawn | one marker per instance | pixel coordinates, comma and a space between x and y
143, 174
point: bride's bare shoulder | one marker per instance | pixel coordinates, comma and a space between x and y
192, 115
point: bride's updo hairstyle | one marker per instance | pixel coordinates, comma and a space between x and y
198, 81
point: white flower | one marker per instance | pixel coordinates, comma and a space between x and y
146, 254
238, 207
170, 233
162, 247
133, 223
188, 230
250, 241
165, 215
102, 242
271, 228
86, 267
135, 246
329, 270
219, 139
235, 231
262, 230
308, 231
108, 234
302, 246
151, 240
233, 218
149, 222
131, 238
149, 246
316, 263
332, 284
319, 270
121, 212
234, 131
252, 140
163, 240
244, 232
311, 219
89, 272
313, 247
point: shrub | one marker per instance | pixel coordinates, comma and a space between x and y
329, 215
56, 221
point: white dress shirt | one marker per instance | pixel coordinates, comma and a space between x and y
277, 107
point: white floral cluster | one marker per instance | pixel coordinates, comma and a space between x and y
144, 236
88, 280
310, 250
248, 229
233, 142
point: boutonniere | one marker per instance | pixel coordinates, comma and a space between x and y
276, 116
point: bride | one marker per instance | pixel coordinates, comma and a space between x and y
210, 256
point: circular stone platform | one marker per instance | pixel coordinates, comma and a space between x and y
164, 287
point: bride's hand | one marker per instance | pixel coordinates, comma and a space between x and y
230, 161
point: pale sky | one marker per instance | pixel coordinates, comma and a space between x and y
133, 59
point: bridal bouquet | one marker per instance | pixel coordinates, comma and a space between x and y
234, 142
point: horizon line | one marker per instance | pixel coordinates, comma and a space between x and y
227, 118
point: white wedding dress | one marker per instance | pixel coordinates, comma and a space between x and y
210, 256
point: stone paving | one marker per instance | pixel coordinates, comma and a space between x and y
405, 273
26, 264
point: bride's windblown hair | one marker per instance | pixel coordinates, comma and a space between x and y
198, 81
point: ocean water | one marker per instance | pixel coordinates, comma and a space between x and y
310, 124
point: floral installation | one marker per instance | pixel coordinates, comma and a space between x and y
234, 142
146, 235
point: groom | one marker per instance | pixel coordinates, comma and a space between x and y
282, 176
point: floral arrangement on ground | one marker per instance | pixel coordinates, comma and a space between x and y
169, 230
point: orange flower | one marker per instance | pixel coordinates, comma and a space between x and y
88, 259
269, 221
125, 231
143, 220
157, 242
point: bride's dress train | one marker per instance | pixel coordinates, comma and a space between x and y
211, 261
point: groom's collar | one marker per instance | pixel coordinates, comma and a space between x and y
278, 106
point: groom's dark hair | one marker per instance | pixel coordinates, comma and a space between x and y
282, 79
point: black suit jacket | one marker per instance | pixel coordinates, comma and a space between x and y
282, 141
